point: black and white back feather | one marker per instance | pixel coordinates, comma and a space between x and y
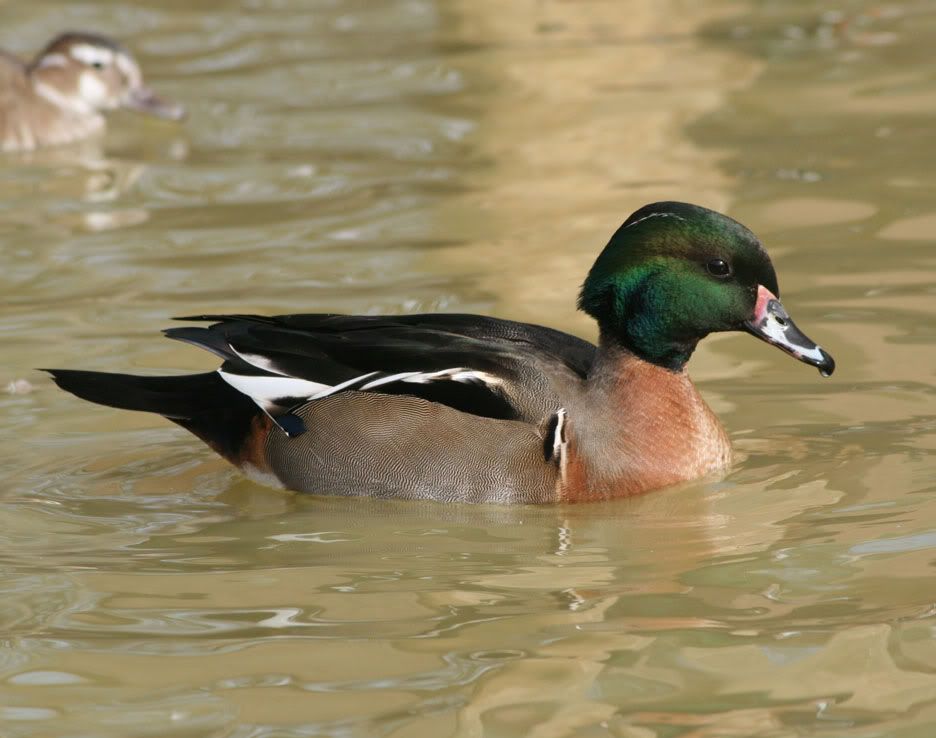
484, 366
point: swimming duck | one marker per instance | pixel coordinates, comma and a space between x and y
60, 96
476, 409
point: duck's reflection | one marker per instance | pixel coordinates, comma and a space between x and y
75, 188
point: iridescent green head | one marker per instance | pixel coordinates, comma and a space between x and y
675, 272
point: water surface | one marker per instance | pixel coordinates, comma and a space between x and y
413, 155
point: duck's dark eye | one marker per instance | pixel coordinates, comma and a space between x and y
97, 65
718, 268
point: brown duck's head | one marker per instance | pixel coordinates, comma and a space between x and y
88, 73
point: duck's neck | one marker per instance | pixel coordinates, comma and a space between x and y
50, 82
639, 426
54, 114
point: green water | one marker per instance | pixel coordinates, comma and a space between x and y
411, 155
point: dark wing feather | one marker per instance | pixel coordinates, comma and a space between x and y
576, 353
508, 365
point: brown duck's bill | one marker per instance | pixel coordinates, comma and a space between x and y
772, 324
144, 100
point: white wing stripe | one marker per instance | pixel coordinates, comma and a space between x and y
457, 374
426, 377
468, 375
342, 385
402, 376
264, 390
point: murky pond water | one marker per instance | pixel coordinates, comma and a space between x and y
415, 155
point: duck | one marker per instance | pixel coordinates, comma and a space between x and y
476, 409
61, 95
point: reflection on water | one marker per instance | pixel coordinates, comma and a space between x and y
418, 155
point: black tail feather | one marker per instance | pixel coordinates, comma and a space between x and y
178, 398
201, 403
203, 338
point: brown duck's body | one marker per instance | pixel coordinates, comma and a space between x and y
28, 120
60, 97
655, 431
661, 432
465, 408
388, 446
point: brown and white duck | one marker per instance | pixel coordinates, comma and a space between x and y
60, 96
464, 408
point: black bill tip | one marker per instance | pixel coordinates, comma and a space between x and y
827, 364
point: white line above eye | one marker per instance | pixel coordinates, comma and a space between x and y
655, 215
87, 54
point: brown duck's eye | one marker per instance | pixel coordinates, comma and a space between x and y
98, 65
718, 268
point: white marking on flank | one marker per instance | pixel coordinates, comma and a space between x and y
559, 434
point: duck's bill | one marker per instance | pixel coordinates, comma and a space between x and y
144, 100
772, 324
